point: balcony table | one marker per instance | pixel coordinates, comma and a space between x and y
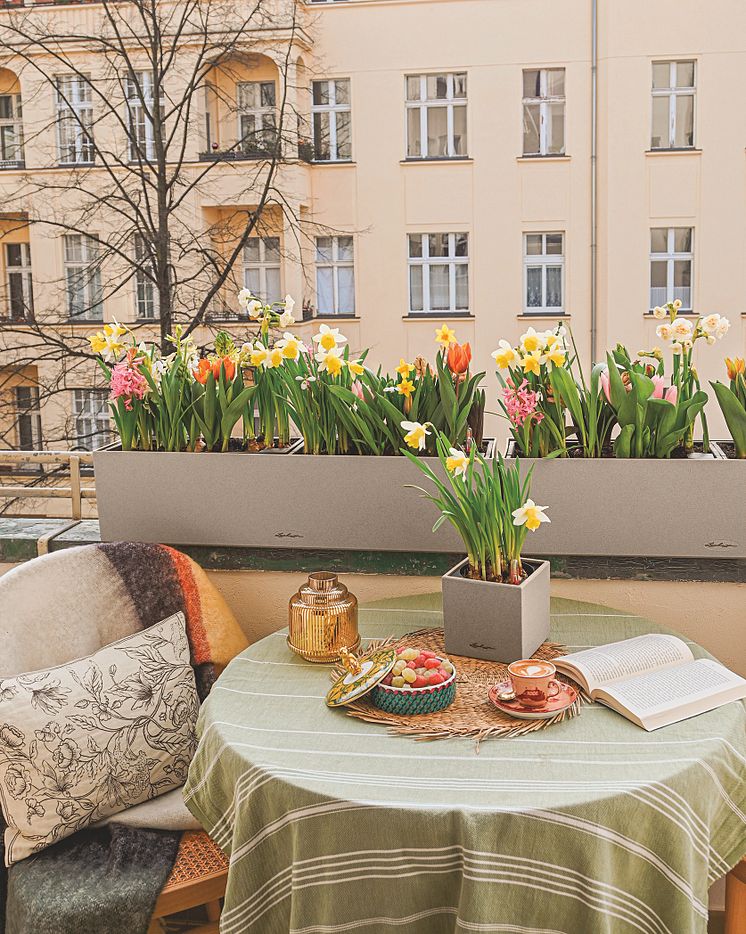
591, 826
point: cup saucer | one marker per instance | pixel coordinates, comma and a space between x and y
566, 698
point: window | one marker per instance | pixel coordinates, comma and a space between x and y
261, 268
673, 105
335, 276
257, 121
671, 256
28, 418
543, 111
332, 139
141, 107
146, 296
20, 303
438, 272
74, 120
82, 277
91, 418
436, 116
11, 131
543, 272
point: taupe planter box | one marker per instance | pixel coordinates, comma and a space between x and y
499, 622
257, 501
691, 508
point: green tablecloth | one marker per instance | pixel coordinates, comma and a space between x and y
592, 826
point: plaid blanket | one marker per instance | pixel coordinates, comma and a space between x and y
64, 606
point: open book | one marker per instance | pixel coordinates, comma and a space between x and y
652, 680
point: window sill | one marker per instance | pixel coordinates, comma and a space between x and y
547, 315
548, 158
683, 151
438, 160
73, 165
438, 316
679, 314
325, 318
333, 163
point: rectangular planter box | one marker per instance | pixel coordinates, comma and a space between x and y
678, 508
342, 502
499, 622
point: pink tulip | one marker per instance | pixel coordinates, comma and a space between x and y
672, 394
357, 389
658, 382
605, 384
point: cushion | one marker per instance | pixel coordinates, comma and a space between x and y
88, 739
167, 812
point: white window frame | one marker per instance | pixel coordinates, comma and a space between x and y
673, 92
670, 257
426, 261
544, 100
15, 123
141, 142
259, 113
90, 277
146, 294
335, 265
23, 271
332, 109
449, 102
543, 260
91, 422
75, 111
263, 265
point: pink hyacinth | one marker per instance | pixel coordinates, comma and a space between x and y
127, 382
521, 403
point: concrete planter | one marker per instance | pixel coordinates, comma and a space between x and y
691, 508
499, 622
342, 502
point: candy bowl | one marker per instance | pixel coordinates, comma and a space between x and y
420, 682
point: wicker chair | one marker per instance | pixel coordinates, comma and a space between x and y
735, 899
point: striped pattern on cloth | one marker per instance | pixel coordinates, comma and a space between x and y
334, 825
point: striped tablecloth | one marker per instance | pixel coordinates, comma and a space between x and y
590, 827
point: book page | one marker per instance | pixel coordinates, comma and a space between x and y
665, 696
608, 664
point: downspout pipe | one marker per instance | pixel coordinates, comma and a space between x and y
594, 182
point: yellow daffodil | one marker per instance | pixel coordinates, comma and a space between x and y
404, 368
259, 354
107, 342
531, 341
551, 340
457, 463
355, 367
530, 515
555, 355
329, 338
445, 336
274, 358
531, 363
331, 360
415, 435
504, 355
291, 346
405, 388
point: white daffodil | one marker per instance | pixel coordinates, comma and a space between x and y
457, 463
682, 329
530, 515
676, 347
291, 346
660, 313
415, 435
329, 338
254, 309
289, 304
676, 304
286, 319
389, 388
244, 297
709, 323
665, 332
330, 360
722, 328
259, 354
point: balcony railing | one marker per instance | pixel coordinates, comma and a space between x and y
55, 466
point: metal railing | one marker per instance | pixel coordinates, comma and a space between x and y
68, 464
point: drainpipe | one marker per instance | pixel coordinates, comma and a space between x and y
594, 180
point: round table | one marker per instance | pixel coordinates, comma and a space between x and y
592, 826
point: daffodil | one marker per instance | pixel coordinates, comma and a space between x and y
286, 319
445, 336
404, 368
259, 354
405, 388
531, 341
289, 303
664, 331
660, 313
531, 363
356, 367
275, 358
682, 329
330, 360
329, 338
457, 463
530, 515
551, 339
107, 342
416, 434
504, 355
291, 346
555, 355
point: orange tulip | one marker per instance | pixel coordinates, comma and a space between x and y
203, 368
459, 358
230, 368
735, 367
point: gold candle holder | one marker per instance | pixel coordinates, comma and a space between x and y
322, 619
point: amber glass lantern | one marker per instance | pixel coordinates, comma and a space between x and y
323, 618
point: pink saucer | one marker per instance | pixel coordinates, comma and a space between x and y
566, 698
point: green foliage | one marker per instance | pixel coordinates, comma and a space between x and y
733, 406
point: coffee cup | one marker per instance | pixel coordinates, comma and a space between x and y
533, 681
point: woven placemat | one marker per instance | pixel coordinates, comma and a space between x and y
471, 714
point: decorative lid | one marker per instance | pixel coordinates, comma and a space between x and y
321, 589
361, 675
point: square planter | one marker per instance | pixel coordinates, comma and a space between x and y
498, 622
339, 502
682, 507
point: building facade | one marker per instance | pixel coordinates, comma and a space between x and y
491, 164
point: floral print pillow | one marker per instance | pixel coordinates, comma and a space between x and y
83, 741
